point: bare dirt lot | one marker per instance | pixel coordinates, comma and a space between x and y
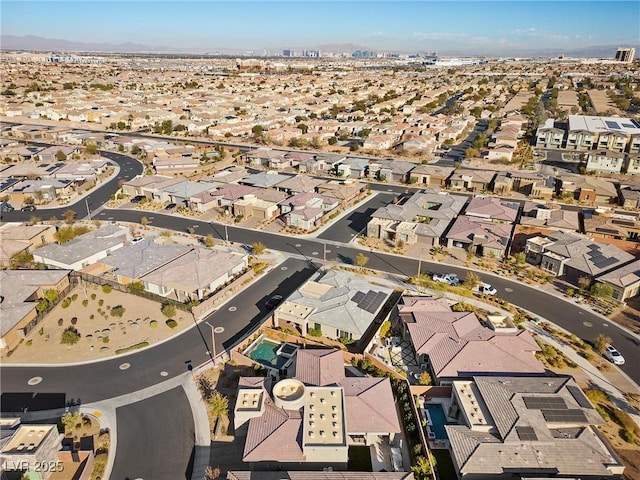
630, 316
102, 332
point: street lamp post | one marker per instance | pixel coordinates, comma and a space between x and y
86, 202
213, 344
226, 233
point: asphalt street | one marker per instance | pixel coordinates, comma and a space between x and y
129, 168
158, 450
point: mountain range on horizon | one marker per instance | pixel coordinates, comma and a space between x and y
41, 44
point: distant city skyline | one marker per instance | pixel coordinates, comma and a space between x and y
471, 27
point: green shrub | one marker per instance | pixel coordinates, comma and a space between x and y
74, 297
107, 288
65, 303
85, 303
596, 395
315, 332
70, 336
105, 339
93, 296
117, 311
153, 324
168, 310
100, 302
171, 323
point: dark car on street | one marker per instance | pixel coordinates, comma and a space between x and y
273, 302
28, 208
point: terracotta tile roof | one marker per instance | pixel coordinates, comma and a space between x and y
319, 367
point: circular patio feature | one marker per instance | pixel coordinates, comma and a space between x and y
34, 381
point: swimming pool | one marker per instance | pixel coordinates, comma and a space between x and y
265, 352
438, 421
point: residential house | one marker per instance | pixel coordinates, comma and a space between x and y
480, 236
148, 185
264, 179
262, 156
624, 280
181, 193
452, 345
471, 180
603, 133
492, 208
533, 427
587, 189
299, 184
83, 250
395, 170
430, 175
223, 196
353, 167
20, 291
343, 191
16, 238
574, 256
261, 204
620, 225
629, 195
549, 135
195, 275
310, 420
423, 218
41, 191
26, 449
541, 215
228, 175
632, 166
336, 304
130, 263
604, 161
303, 210
175, 164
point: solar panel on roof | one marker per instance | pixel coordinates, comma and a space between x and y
548, 403
526, 434
579, 397
606, 230
606, 262
628, 125
624, 223
358, 296
564, 416
612, 124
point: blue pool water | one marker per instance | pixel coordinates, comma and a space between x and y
438, 421
265, 353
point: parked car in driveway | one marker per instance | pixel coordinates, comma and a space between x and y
449, 278
137, 199
613, 355
6, 207
135, 240
485, 289
171, 206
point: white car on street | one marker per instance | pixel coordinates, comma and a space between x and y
449, 278
613, 355
485, 289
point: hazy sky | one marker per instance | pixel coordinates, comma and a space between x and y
473, 26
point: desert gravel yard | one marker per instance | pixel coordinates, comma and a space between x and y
103, 332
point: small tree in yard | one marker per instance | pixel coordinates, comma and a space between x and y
520, 258
472, 280
168, 310
257, 248
206, 388
70, 336
69, 216
69, 420
144, 221
601, 342
361, 260
136, 287
219, 404
583, 283
602, 290
209, 241
425, 378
